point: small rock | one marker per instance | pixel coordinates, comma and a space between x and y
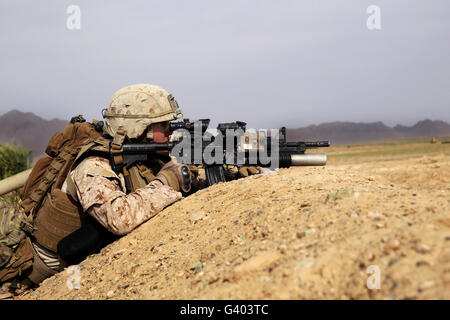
309, 232
380, 225
426, 285
393, 286
393, 261
282, 248
310, 245
198, 215
422, 249
395, 244
308, 263
370, 256
197, 267
305, 204
299, 235
374, 214
410, 296
422, 263
258, 262
110, 294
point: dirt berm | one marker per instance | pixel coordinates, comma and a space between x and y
368, 230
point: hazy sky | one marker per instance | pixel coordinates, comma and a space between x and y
267, 63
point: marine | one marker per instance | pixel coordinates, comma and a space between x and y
73, 198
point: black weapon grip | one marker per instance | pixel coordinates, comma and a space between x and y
214, 174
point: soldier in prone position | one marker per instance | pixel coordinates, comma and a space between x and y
74, 206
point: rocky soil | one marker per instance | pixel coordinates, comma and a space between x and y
356, 230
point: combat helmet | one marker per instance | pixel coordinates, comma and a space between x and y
135, 107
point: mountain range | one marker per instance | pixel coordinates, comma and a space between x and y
33, 132
28, 130
352, 132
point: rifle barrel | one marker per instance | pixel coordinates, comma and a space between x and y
308, 144
145, 147
317, 144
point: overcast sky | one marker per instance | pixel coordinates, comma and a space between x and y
267, 63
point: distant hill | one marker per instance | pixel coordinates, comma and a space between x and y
28, 130
350, 132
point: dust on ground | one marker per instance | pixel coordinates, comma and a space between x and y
377, 228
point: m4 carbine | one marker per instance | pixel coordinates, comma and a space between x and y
192, 144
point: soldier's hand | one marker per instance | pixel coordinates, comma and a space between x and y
198, 177
248, 171
177, 176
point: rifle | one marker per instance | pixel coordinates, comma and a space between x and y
197, 146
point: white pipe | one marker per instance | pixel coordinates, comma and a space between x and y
14, 182
311, 159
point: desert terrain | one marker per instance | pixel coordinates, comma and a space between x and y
374, 223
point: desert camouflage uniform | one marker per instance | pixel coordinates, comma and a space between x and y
101, 193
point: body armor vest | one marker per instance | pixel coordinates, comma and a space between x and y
54, 213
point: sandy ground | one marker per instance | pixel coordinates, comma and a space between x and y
374, 229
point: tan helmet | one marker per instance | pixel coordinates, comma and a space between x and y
135, 107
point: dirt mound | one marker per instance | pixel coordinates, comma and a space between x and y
356, 231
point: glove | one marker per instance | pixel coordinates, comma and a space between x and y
248, 171
175, 175
198, 178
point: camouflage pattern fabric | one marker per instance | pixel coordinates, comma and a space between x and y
135, 107
101, 193
5, 254
10, 232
